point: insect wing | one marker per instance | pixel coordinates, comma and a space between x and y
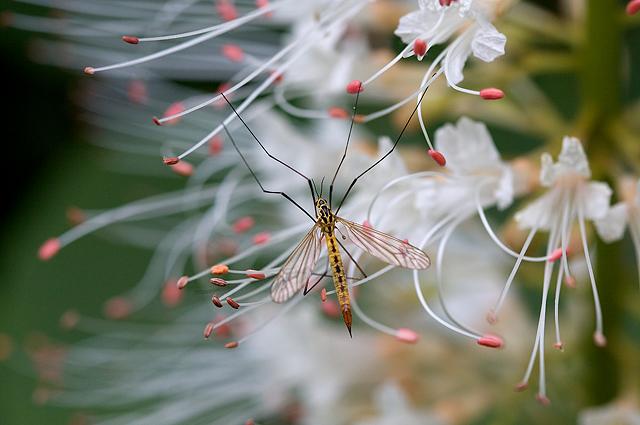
298, 268
383, 246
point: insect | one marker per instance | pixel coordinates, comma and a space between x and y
297, 270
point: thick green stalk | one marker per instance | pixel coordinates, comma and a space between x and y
601, 75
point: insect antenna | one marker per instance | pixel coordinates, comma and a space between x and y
386, 154
346, 147
258, 180
321, 186
267, 152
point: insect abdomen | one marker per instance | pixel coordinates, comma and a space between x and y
339, 277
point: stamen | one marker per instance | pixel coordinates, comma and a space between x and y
130, 39
49, 249
220, 269
491, 93
232, 303
336, 112
556, 254
182, 168
420, 47
233, 52
216, 301
243, 224
354, 87
491, 341
118, 308
215, 145
208, 329
232, 344
218, 282
172, 160
330, 308
255, 274
599, 334
633, 7
407, 335
323, 295
438, 157
261, 238
226, 10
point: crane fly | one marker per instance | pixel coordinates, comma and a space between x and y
296, 272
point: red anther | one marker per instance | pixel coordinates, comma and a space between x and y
174, 109
216, 301
336, 112
559, 346
130, 39
137, 92
354, 87
172, 160
444, 3
570, 281
261, 238
330, 308
182, 168
543, 399
49, 249
171, 293
249, 422
491, 341
405, 240
182, 282
492, 318
521, 386
323, 295
438, 157
555, 255
217, 281
118, 308
599, 339
420, 47
491, 93
633, 7
359, 118
222, 88
208, 329
262, 3
89, 70
220, 269
156, 121
277, 77
215, 145
226, 10
233, 52
69, 319
232, 344
243, 224
367, 224
232, 303
407, 335
255, 274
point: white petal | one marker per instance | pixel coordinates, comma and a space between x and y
539, 213
488, 43
595, 198
455, 60
467, 146
573, 158
547, 171
415, 24
611, 226
504, 191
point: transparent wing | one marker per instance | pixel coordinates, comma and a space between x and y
382, 246
298, 268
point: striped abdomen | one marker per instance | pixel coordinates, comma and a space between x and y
339, 276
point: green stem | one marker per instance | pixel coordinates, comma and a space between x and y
601, 75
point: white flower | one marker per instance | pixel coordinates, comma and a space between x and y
570, 198
621, 413
434, 24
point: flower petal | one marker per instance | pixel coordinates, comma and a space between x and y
539, 213
488, 43
595, 198
611, 226
573, 158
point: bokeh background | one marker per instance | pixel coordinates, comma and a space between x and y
49, 165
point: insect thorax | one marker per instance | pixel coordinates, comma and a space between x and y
326, 219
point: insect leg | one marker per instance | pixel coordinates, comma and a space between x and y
386, 154
346, 147
351, 257
267, 152
258, 181
322, 276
